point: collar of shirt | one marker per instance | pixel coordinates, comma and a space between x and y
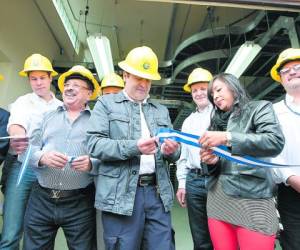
35, 98
207, 109
290, 102
130, 99
64, 108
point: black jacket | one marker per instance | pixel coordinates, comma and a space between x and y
255, 132
4, 115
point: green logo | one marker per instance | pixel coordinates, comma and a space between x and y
146, 66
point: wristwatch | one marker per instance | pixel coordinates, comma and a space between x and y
228, 139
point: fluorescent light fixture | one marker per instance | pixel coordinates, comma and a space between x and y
67, 23
101, 53
242, 58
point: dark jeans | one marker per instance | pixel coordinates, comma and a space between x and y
15, 202
75, 215
196, 196
149, 224
289, 210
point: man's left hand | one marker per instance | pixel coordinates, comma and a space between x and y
82, 163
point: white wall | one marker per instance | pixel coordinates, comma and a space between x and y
23, 32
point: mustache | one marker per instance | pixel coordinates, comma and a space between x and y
69, 91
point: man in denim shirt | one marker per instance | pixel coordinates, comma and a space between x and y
64, 195
133, 188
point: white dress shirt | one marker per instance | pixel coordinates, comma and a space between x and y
288, 114
196, 123
28, 110
147, 162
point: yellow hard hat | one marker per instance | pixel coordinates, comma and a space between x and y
78, 69
197, 75
284, 57
1, 77
37, 62
112, 80
142, 62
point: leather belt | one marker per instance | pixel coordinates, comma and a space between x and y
197, 171
56, 193
147, 180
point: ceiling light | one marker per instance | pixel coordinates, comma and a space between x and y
242, 58
99, 46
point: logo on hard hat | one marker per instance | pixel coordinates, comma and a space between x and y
36, 62
146, 65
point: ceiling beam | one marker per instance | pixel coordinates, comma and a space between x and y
279, 5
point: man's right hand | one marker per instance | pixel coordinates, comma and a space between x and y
147, 146
20, 144
180, 195
53, 159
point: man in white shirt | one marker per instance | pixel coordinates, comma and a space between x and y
191, 191
287, 72
25, 112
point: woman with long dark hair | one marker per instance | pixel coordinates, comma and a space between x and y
240, 205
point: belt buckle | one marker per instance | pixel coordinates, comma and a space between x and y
141, 184
55, 194
200, 171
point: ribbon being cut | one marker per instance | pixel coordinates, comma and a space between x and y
26, 156
221, 151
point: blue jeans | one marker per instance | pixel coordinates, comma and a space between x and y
149, 225
75, 214
15, 202
289, 209
196, 196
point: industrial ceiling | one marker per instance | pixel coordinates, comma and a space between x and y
185, 35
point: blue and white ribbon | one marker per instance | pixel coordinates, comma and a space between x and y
222, 151
4, 138
24, 164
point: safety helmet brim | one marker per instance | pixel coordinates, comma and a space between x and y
25, 73
153, 76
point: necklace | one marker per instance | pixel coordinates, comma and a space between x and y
296, 113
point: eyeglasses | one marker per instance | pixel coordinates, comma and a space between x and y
75, 86
286, 71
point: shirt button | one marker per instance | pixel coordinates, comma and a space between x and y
134, 172
60, 184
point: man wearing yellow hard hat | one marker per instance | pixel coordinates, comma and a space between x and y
65, 193
4, 115
191, 176
24, 113
111, 84
286, 71
133, 186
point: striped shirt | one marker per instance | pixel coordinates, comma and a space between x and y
57, 133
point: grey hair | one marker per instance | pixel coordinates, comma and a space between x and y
239, 94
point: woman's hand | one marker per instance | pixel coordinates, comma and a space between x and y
212, 139
208, 157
